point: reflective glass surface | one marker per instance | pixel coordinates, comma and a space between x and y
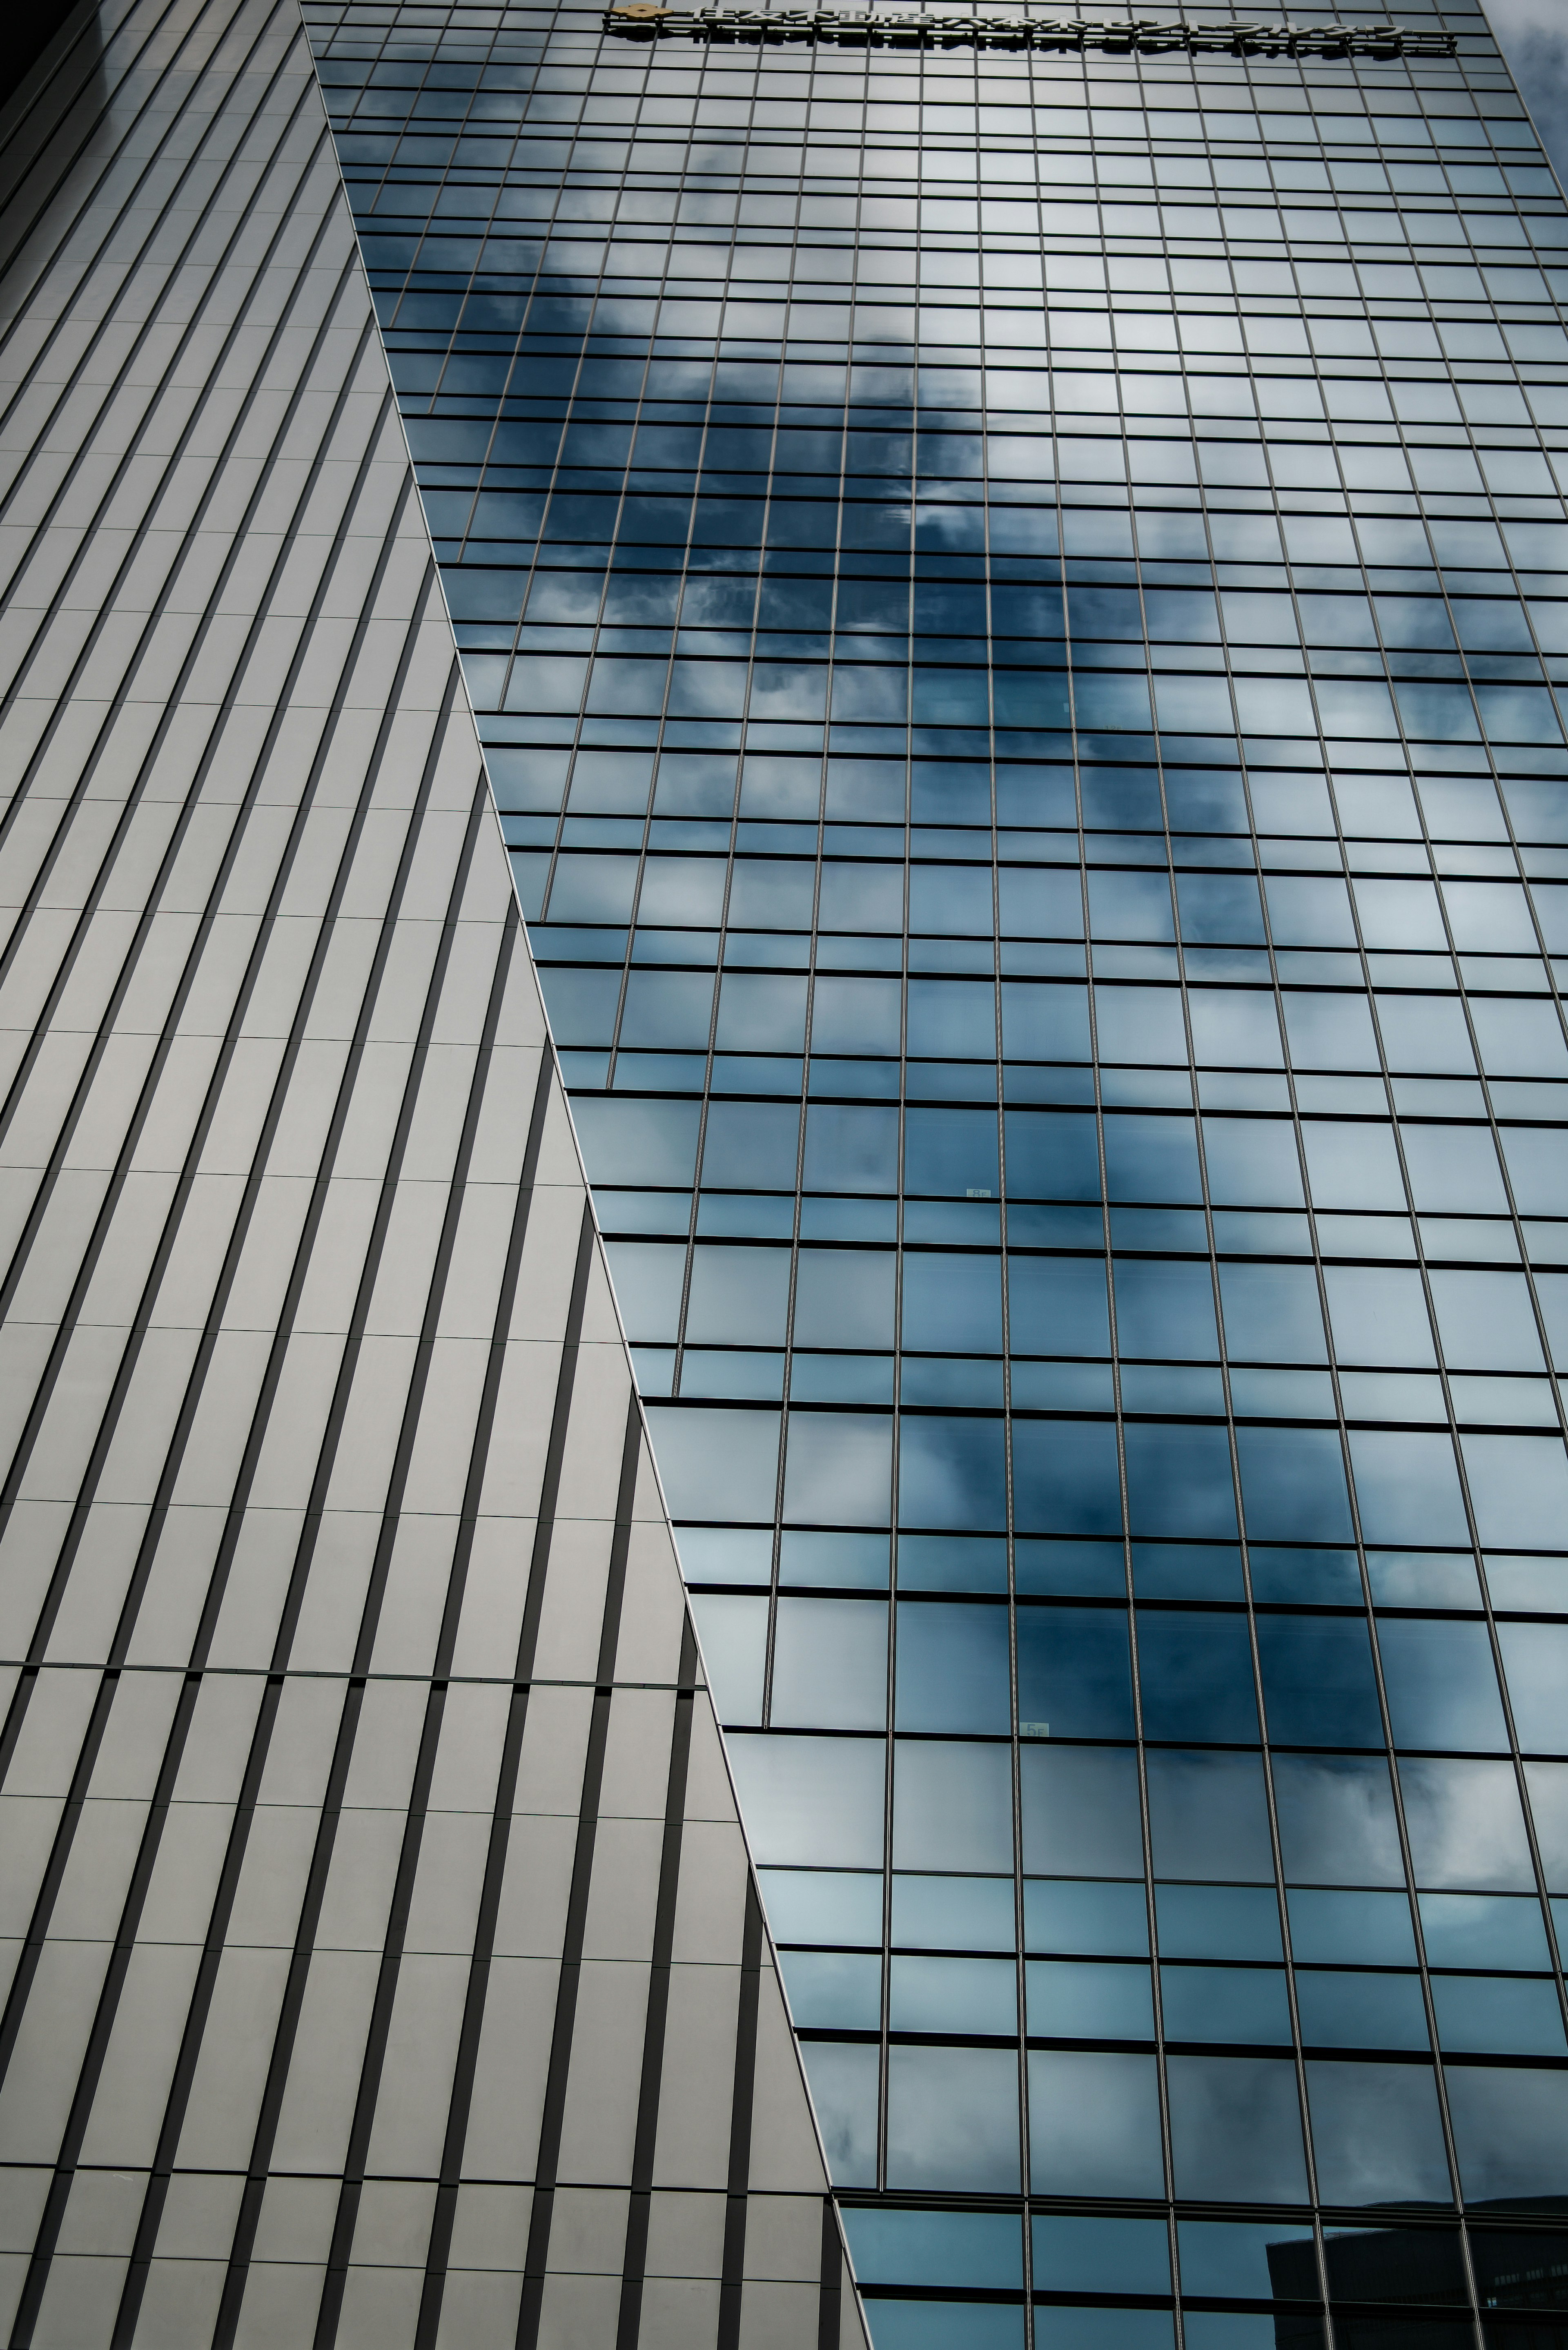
1017, 603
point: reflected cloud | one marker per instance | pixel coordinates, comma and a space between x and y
1465, 1824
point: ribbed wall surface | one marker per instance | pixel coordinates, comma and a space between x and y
385, 1965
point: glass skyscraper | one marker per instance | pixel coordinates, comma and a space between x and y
1012, 574
1013, 582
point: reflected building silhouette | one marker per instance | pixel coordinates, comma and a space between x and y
1403, 2287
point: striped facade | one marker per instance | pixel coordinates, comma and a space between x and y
385, 1964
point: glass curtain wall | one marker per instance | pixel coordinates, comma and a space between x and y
1014, 599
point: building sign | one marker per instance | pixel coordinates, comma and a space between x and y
647, 19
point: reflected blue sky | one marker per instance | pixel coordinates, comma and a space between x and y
1534, 36
934, 1108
